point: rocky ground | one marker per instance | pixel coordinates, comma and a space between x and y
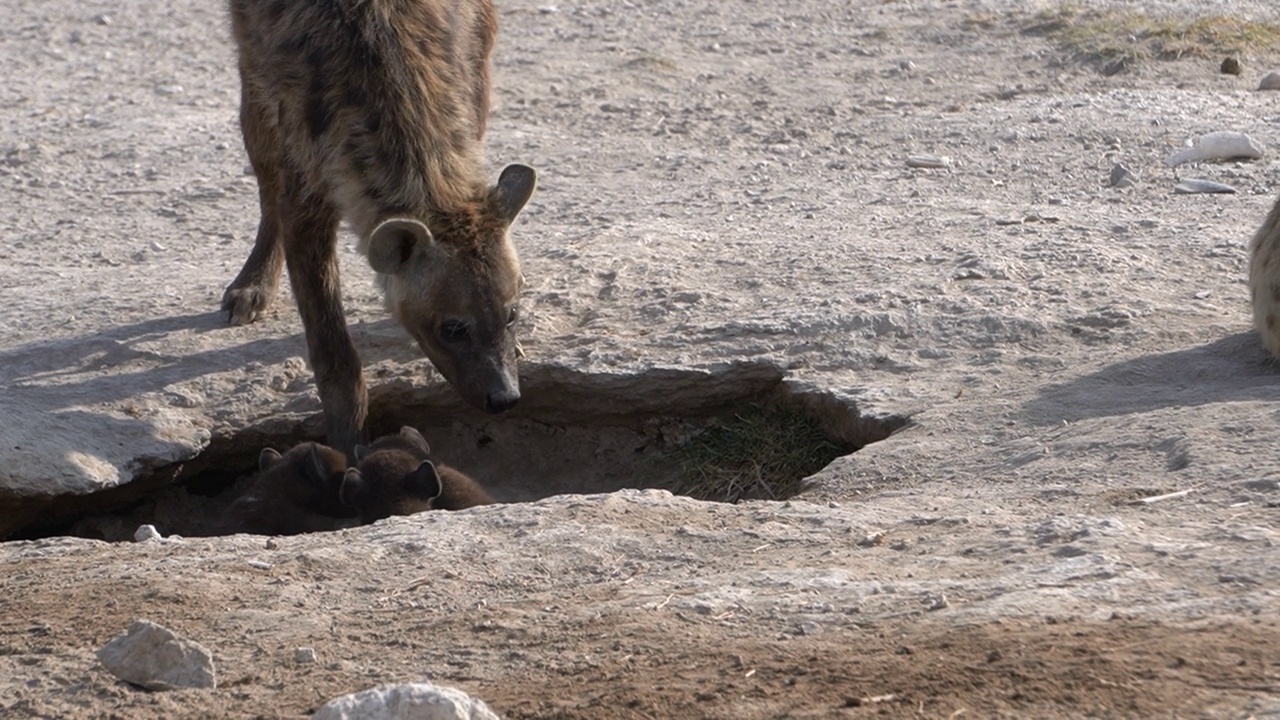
1078, 520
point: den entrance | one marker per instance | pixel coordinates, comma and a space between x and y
741, 433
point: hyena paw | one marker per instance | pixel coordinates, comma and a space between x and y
243, 305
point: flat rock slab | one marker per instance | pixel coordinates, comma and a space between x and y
153, 657
723, 184
416, 701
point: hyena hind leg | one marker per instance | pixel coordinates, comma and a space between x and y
258, 283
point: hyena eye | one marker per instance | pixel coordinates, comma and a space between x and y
512, 315
455, 331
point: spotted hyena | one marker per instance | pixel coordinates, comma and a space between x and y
396, 476
373, 111
1264, 280
293, 493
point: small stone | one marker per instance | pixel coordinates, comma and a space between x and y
259, 565
169, 89
907, 66
102, 19
1194, 186
1122, 177
146, 532
933, 162
304, 655
1230, 66
152, 657
416, 701
157, 246
1270, 81
810, 628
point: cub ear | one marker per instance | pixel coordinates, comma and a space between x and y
267, 458
391, 244
515, 185
412, 436
316, 466
361, 452
353, 488
425, 481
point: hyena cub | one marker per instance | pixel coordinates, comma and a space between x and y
373, 111
297, 492
1264, 280
396, 477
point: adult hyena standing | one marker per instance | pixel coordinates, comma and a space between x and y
373, 111
1264, 280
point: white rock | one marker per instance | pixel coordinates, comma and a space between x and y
1270, 81
146, 532
153, 657
304, 655
1221, 145
416, 701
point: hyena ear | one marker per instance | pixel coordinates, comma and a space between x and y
267, 458
353, 488
361, 452
413, 437
425, 481
316, 466
391, 244
515, 185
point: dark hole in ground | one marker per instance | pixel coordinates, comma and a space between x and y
740, 433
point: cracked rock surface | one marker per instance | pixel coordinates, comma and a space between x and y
1080, 518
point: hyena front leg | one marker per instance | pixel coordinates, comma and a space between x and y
309, 225
253, 290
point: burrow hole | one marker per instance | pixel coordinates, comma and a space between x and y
741, 433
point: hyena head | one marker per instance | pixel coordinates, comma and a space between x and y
456, 292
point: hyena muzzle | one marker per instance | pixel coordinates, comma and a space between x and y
373, 112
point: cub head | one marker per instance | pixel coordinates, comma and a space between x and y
456, 290
390, 482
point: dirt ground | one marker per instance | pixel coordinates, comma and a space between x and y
719, 182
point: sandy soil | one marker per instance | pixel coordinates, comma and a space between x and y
719, 182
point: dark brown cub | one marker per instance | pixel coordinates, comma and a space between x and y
297, 492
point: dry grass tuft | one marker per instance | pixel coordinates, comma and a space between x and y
758, 453
1116, 39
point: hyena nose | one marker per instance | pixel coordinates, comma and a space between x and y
501, 401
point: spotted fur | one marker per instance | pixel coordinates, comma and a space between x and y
373, 112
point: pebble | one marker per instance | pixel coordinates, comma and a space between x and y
146, 532
304, 655
928, 161
260, 565
152, 657
1270, 81
1230, 66
1122, 177
1195, 186
169, 89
